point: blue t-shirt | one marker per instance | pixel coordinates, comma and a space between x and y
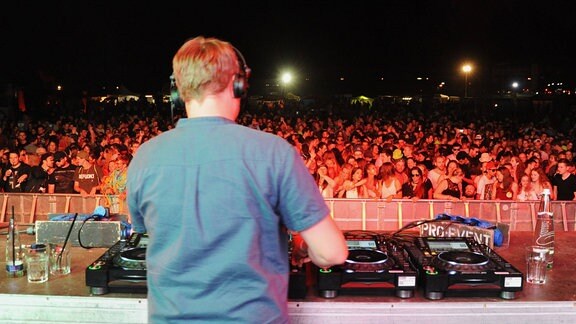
213, 196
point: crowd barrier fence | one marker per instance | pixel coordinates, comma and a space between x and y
29, 207
349, 214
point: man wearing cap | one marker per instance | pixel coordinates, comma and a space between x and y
538, 148
486, 181
88, 176
64, 173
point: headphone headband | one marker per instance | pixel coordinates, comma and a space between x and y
240, 84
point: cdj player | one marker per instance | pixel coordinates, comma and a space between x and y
120, 269
460, 266
375, 266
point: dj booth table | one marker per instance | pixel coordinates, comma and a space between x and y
68, 299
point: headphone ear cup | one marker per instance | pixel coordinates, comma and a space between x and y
239, 85
175, 99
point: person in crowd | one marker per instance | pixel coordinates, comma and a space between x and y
450, 188
372, 183
551, 165
469, 191
63, 173
88, 176
231, 204
504, 187
22, 140
564, 182
451, 165
415, 188
486, 181
518, 168
525, 191
390, 186
16, 174
52, 146
400, 170
463, 160
384, 156
345, 174
114, 184
539, 181
439, 171
24, 156
41, 178
355, 187
427, 183
531, 164
330, 160
325, 182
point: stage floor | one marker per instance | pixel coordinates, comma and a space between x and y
68, 300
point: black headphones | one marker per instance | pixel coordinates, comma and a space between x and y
240, 83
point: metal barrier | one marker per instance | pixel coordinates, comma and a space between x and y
29, 207
349, 214
370, 214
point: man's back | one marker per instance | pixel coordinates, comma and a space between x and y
222, 188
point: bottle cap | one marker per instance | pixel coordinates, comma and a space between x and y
38, 247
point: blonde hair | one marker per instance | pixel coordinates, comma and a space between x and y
204, 66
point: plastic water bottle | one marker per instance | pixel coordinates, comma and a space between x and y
14, 261
544, 230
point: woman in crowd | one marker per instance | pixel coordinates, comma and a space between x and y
450, 188
427, 182
390, 186
371, 180
325, 182
415, 188
345, 174
505, 187
330, 160
451, 166
517, 168
525, 191
539, 181
354, 188
114, 184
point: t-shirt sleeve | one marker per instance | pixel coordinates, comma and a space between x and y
301, 204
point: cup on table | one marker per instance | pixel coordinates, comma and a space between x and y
60, 259
37, 266
536, 264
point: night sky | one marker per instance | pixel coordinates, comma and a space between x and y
84, 44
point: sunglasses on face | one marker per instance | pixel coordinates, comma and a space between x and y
415, 175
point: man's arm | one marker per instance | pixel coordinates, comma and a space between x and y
324, 243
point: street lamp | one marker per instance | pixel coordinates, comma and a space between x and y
286, 79
466, 69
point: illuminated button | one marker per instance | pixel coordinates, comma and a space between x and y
325, 270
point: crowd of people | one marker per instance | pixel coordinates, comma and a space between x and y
377, 153
216, 198
57, 161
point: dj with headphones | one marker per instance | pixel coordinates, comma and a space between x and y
217, 200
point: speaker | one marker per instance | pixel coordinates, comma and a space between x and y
240, 83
